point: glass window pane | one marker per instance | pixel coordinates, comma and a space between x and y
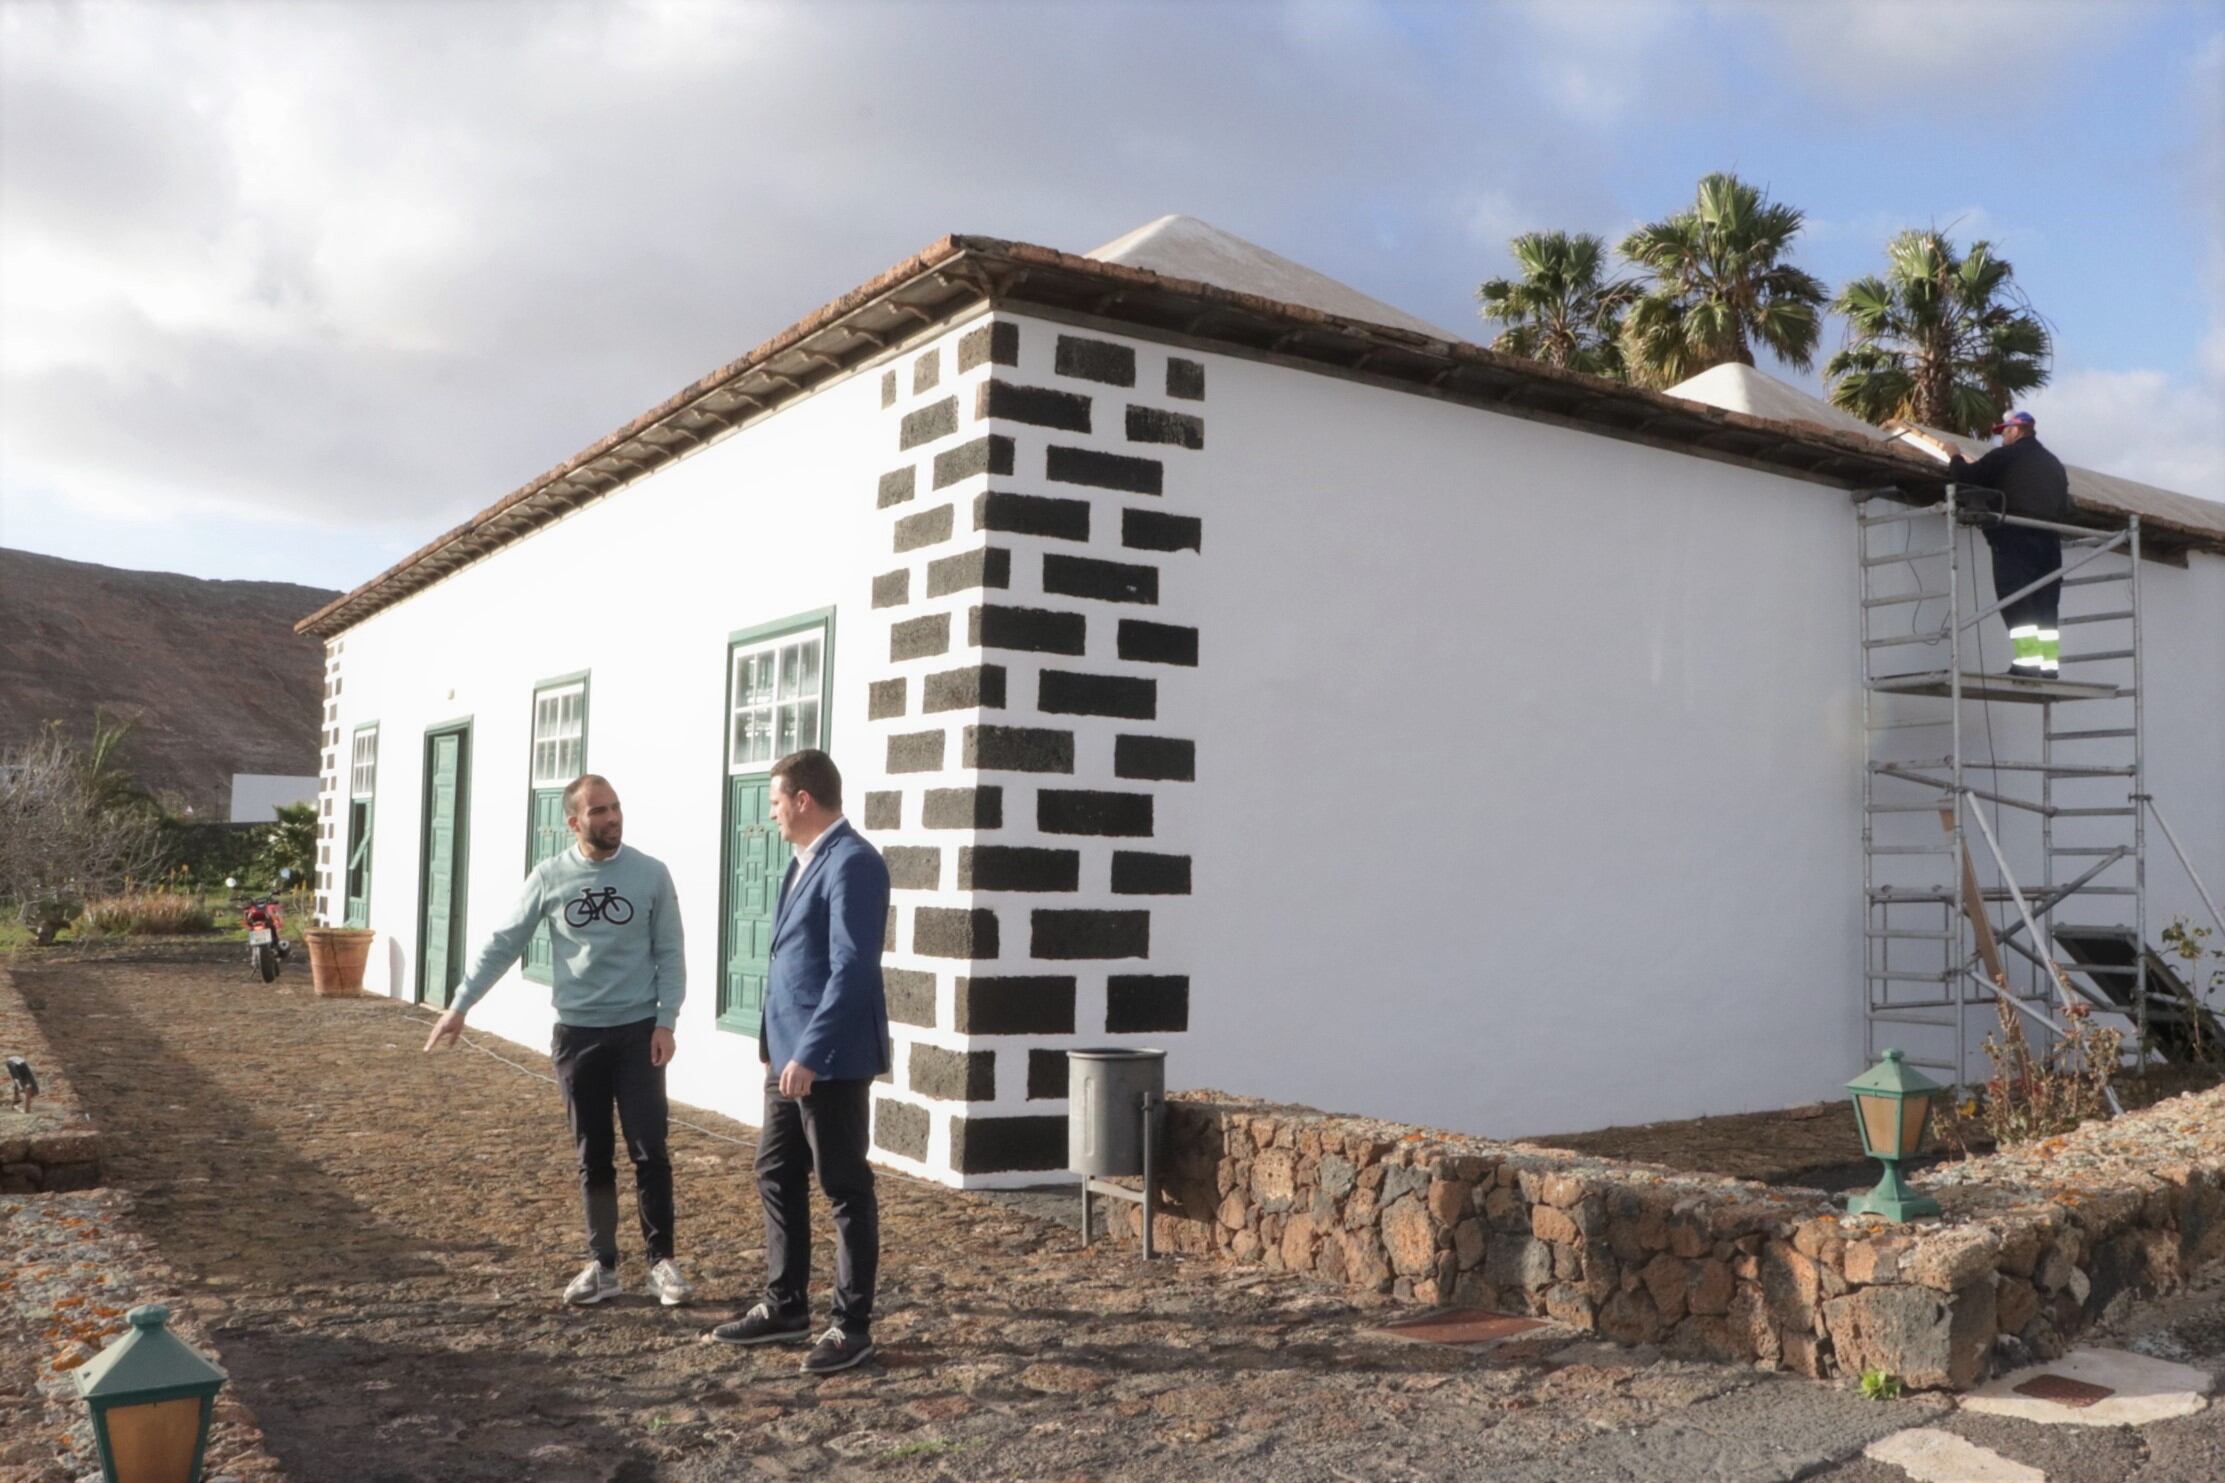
807, 724
787, 739
761, 678
790, 668
760, 736
807, 680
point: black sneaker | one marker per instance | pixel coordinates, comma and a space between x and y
760, 1325
837, 1350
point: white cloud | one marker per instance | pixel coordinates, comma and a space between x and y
2139, 424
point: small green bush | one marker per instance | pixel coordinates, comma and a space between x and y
146, 914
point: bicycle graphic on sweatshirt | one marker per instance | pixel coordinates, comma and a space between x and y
592, 905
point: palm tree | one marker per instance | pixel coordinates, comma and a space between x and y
1943, 340
1720, 286
1560, 311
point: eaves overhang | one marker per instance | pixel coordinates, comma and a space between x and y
961, 274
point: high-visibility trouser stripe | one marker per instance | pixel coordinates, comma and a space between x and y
2024, 646
2051, 649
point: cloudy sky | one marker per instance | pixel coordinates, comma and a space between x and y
287, 288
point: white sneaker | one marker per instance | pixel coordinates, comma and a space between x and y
594, 1283
668, 1286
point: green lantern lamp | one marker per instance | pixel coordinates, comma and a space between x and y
151, 1398
1893, 1104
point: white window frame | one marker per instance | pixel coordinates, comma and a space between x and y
792, 697
554, 742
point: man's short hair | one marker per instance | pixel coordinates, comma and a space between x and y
812, 771
579, 785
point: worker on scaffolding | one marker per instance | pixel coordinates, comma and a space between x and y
2032, 486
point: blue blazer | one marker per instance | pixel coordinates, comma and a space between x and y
824, 1002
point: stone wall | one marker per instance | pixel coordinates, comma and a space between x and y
1706, 1267
55, 1146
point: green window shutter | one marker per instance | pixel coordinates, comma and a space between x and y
559, 754
363, 763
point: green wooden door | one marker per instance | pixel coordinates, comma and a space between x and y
546, 835
755, 857
441, 920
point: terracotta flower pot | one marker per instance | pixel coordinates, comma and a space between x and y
337, 956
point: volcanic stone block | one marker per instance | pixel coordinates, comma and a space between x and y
1086, 811
1157, 425
893, 589
1147, 1003
1017, 749
888, 388
897, 486
1139, 873
1110, 581
991, 344
975, 686
916, 751
914, 867
1149, 530
1105, 470
1095, 360
954, 932
985, 455
884, 810
993, 1145
1068, 934
953, 1075
991, 566
927, 528
1039, 406
1185, 379
1035, 1004
1062, 692
884, 698
1163, 759
919, 638
1157, 643
1008, 868
963, 808
1032, 515
936, 420
899, 1127
927, 371
1047, 1075
911, 996
1031, 630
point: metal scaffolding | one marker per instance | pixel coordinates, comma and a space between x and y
1948, 744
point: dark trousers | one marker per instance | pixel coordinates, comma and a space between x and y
598, 1066
824, 1133
2021, 557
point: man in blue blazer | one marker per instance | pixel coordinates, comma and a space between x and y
823, 1038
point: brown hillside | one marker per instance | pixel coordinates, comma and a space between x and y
213, 671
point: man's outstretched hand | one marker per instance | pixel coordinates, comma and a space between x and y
445, 1031
661, 1047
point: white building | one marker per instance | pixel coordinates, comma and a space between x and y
1222, 660
258, 796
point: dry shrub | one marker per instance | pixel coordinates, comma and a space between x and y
2039, 1096
146, 914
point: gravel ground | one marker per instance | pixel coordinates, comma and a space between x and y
374, 1238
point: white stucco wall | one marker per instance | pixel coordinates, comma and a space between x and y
642, 591
1528, 761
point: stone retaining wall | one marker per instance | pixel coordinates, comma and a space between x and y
1707, 1267
56, 1146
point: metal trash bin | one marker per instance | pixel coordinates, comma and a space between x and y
1115, 1113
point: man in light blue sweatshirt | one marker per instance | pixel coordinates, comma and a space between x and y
618, 976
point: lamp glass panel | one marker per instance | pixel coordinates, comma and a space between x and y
1879, 1135
1917, 1113
154, 1443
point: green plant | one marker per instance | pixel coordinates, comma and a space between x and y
290, 843
1720, 285
73, 824
2189, 943
930, 1447
1944, 339
1561, 311
1880, 1385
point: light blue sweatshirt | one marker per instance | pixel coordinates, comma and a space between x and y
614, 935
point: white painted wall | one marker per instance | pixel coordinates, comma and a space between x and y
257, 796
642, 591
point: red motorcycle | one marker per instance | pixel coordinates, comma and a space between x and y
265, 920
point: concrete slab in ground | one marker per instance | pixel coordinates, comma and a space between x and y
2095, 1387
